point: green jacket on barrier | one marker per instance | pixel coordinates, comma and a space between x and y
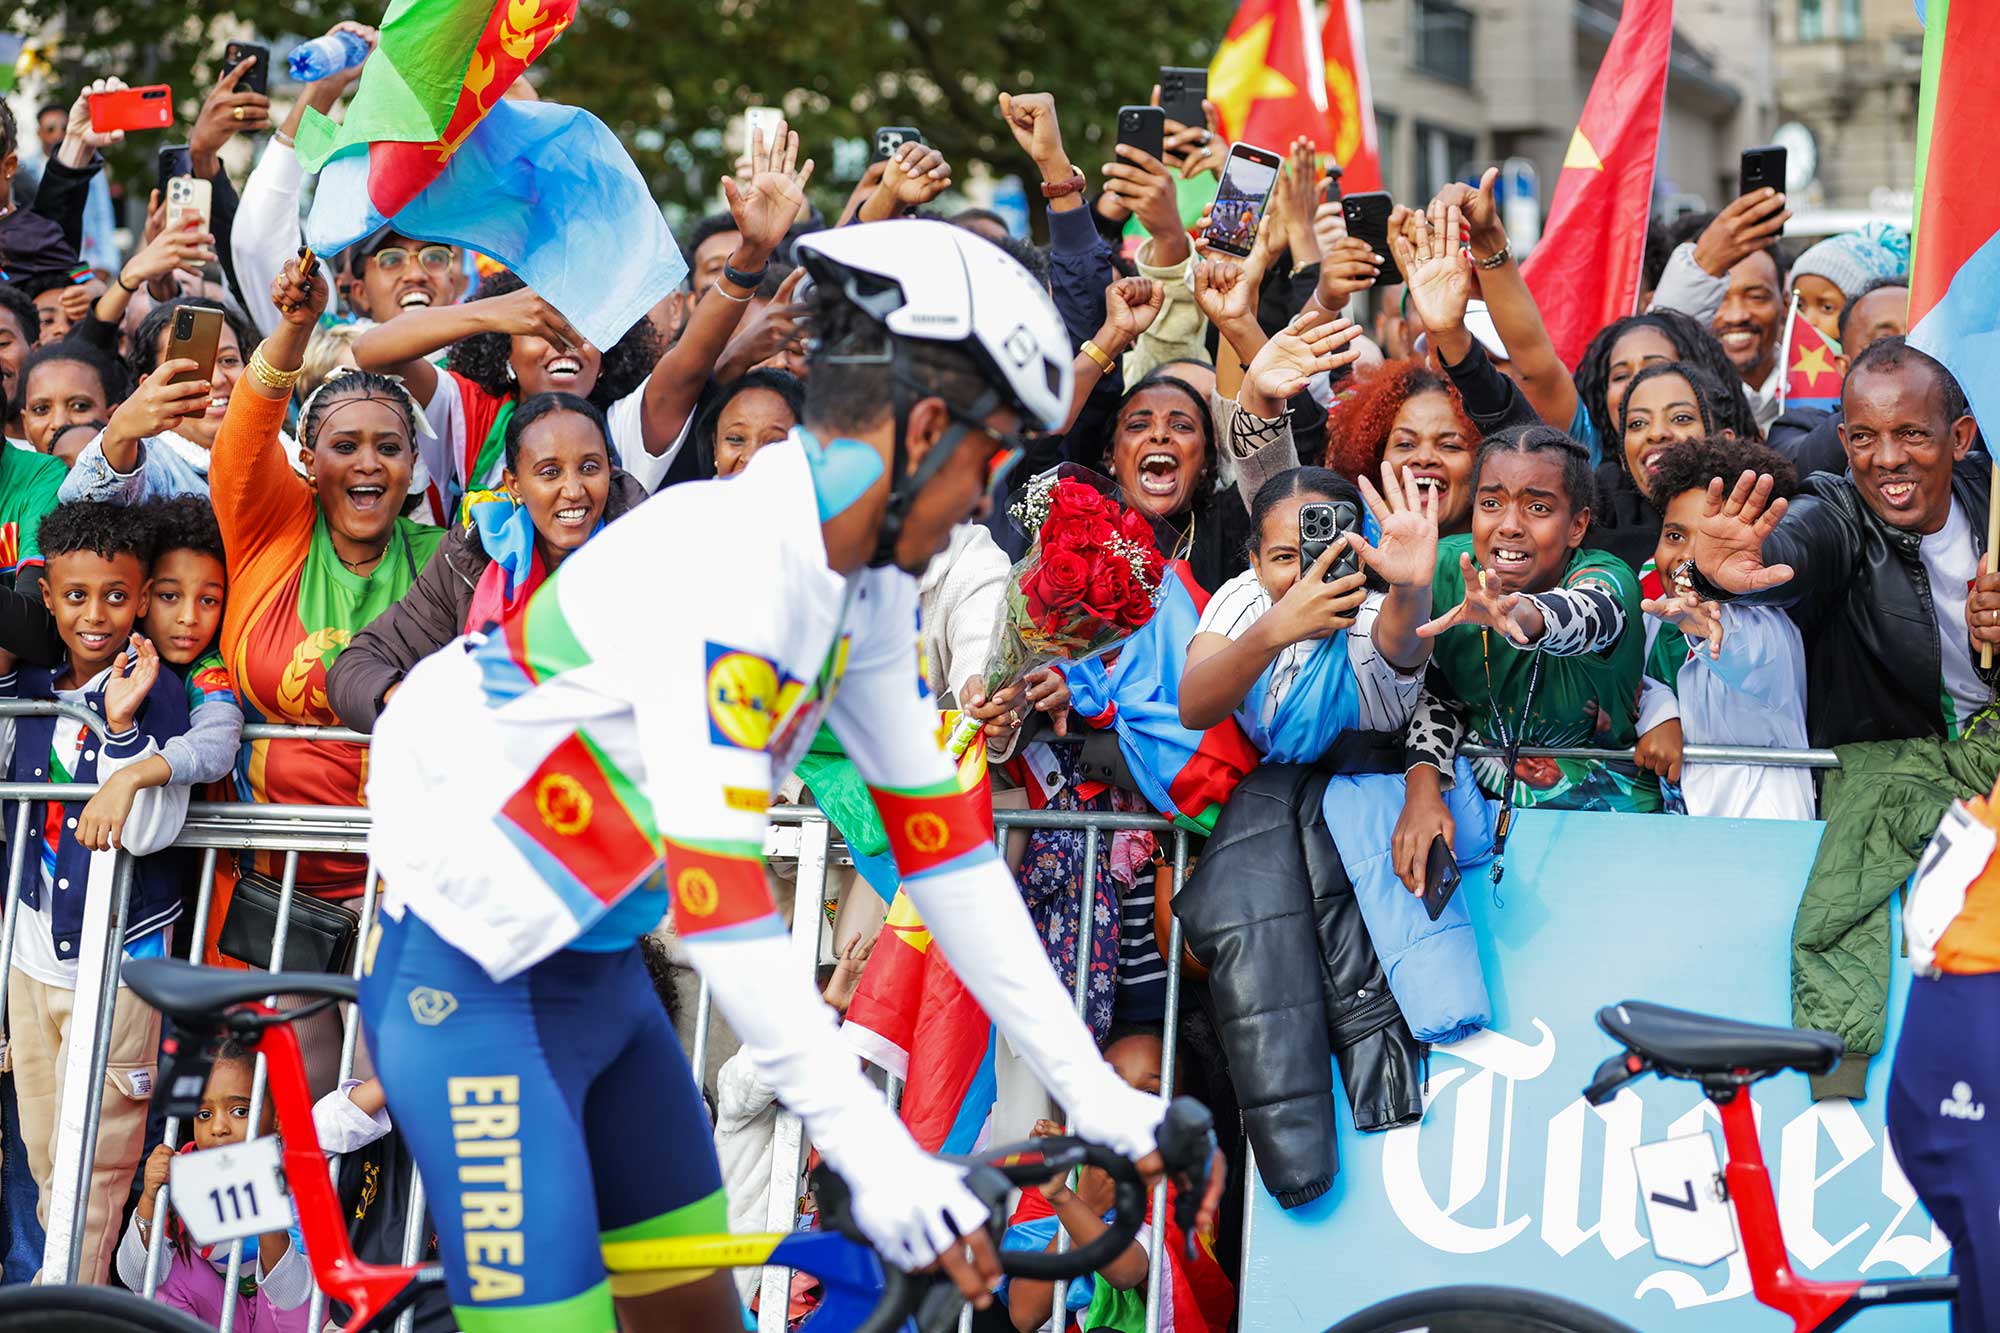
1880, 806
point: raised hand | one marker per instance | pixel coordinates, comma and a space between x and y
1347, 266
1439, 273
1310, 345
1729, 538
1031, 117
300, 298
188, 248
1312, 608
225, 112
766, 205
1511, 614
158, 404
767, 328
1407, 515
335, 85
1697, 618
81, 140
1130, 306
522, 312
1484, 230
1143, 183
1746, 225
127, 689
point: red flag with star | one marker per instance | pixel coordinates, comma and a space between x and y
1585, 270
1812, 370
1267, 81
1350, 106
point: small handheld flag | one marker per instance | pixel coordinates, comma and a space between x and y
1810, 358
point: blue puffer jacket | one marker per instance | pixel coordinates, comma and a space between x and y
1432, 966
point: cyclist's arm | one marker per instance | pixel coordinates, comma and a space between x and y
943, 843
709, 796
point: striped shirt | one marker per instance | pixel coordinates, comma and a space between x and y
1142, 972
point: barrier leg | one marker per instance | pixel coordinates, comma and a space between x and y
413, 1243
704, 1015
287, 890
788, 1139
1156, 1272
1086, 923
16, 866
156, 1239
349, 1035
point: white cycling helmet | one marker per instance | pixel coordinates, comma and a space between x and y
933, 282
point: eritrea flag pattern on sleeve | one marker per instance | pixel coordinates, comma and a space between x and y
303, 620
1955, 241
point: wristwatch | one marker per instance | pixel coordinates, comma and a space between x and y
746, 280
1057, 189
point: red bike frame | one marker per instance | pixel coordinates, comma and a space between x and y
369, 1289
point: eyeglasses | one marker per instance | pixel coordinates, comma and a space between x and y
436, 258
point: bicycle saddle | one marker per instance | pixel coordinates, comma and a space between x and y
184, 990
1680, 1042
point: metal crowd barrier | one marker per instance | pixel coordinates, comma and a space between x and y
798, 834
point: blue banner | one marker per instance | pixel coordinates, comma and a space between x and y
1511, 1179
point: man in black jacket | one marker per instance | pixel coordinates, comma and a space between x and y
1875, 566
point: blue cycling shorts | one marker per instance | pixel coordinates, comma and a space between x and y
547, 1114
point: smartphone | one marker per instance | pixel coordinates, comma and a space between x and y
762, 120
150, 108
1759, 169
173, 161
1367, 216
1330, 192
888, 138
1247, 178
1319, 523
1440, 877
256, 79
1181, 92
196, 332
1145, 128
188, 195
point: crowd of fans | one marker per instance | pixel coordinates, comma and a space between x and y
1645, 553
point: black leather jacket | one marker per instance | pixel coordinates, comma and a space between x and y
1862, 600
1293, 979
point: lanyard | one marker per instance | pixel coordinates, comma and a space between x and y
1510, 745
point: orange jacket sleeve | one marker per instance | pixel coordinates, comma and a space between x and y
258, 499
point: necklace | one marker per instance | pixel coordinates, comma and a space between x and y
357, 565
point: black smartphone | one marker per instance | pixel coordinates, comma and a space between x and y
1145, 128
1440, 877
256, 79
1761, 168
1367, 216
888, 138
1240, 196
173, 161
1319, 523
1181, 92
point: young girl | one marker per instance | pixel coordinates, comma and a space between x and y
1349, 658
276, 1281
1542, 646
1733, 674
1665, 404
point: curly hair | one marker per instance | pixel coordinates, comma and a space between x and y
1691, 466
22, 307
1358, 432
1692, 342
186, 523
100, 527
482, 358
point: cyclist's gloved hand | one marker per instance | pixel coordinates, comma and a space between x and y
1119, 1116
916, 1211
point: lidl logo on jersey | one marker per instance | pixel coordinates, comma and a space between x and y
747, 694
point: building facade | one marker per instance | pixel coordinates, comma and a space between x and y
1848, 71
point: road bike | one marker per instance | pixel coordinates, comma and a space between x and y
859, 1292
1724, 1057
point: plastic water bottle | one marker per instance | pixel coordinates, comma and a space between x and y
323, 57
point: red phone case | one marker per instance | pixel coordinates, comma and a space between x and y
150, 108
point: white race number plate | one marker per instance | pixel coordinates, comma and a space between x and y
1681, 1183
230, 1192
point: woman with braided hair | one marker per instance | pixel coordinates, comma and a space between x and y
312, 559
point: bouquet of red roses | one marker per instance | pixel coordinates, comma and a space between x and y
1090, 580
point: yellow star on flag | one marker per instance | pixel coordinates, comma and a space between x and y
905, 923
1581, 154
1812, 363
1241, 76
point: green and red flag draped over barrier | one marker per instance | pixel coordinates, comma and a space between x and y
441, 66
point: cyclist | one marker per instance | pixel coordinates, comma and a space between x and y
526, 783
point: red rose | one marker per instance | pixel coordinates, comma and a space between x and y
1111, 584
1156, 567
1138, 606
1061, 578
1063, 537
1073, 500
1136, 528
1098, 531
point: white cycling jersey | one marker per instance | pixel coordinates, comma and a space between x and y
652, 695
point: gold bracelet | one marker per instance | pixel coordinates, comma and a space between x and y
1099, 355
269, 376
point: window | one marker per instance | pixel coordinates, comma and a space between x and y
1388, 149
1812, 26
1443, 40
1850, 20
1443, 156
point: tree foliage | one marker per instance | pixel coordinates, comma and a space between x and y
669, 75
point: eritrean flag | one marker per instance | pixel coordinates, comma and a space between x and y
1955, 242
431, 146
1185, 775
1812, 372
